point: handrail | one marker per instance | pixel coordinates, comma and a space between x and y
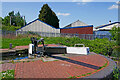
79, 44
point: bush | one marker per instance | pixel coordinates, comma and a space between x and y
10, 28
116, 74
115, 32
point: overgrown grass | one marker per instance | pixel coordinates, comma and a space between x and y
7, 75
15, 42
116, 73
101, 46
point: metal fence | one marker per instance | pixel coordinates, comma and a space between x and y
8, 34
44, 34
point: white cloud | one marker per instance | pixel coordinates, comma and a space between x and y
118, 2
63, 14
87, 0
113, 7
82, 0
75, 1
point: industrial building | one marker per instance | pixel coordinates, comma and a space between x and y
77, 27
39, 26
104, 29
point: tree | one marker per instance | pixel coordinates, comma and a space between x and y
1, 20
48, 16
115, 32
19, 21
16, 19
6, 20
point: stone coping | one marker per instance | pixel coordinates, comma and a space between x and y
106, 72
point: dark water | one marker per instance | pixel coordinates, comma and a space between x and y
19, 58
15, 57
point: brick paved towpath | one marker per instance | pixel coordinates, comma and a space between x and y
64, 68
7, 66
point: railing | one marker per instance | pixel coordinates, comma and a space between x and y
44, 34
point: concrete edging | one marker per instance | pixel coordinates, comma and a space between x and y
106, 72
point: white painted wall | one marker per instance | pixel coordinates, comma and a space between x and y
78, 50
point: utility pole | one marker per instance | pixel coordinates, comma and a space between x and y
21, 16
10, 20
24, 20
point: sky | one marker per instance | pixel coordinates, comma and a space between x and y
91, 13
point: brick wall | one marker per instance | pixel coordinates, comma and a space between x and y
85, 30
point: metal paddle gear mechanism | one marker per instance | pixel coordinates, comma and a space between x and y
33, 47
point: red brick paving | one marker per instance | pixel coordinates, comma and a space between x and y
26, 47
7, 66
58, 69
54, 69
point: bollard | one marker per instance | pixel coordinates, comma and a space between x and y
10, 46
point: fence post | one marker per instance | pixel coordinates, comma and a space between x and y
89, 36
84, 36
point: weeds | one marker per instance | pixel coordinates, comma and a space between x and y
8, 75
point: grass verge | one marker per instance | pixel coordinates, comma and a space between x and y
7, 75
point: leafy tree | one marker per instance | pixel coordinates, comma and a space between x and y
16, 19
48, 16
19, 19
115, 32
11, 14
1, 20
6, 20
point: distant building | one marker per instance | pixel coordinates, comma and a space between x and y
39, 26
107, 27
104, 29
77, 27
76, 23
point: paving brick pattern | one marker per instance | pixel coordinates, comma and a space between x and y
59, 69
7, 66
